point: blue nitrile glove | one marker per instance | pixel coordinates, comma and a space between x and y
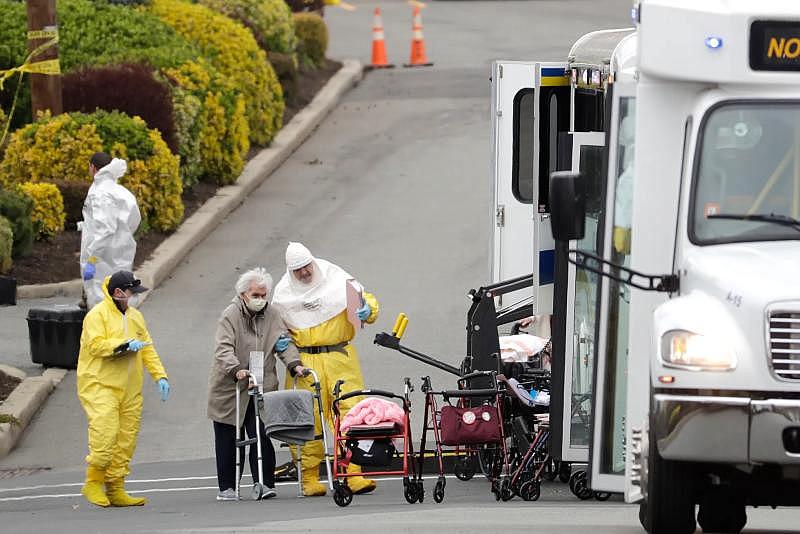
163, 388
282, 344
364, 312
135, 345
88, 271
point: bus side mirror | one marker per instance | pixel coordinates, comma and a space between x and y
567, 205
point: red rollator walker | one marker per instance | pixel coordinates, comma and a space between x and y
373, 446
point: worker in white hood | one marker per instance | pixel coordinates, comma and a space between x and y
110, 218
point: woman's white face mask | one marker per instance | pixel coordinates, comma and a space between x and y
256, 304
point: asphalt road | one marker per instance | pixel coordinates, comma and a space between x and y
394, 187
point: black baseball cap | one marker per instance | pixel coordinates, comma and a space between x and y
125, 280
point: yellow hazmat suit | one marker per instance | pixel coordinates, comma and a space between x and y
110, 391
330, 367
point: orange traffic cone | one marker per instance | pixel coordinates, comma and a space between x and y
418, 58
379, 60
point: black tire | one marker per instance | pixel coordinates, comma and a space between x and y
602, 496
582, 489
530, 491
465, 469
409, 491
550, 470
576, 477
505, 490
670, 494
722, 511
420, 491
342, 496
564, 471
438, 490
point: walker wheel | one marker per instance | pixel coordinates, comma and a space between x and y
581, 487
602, 495
464, 470
438, 490
258, 491
496, 490
564, 472
573, 480
505, 490
420, 491
342, 495
410, 491
551, 470
530, 491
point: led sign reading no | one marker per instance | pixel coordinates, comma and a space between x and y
775, 45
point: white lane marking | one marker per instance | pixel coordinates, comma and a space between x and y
160, 490
130, 481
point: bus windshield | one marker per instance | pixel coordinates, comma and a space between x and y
747, 181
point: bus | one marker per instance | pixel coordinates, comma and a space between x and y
651, 181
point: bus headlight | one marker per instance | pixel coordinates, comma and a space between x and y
687, 350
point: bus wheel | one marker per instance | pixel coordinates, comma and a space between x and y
669, 506
722, 511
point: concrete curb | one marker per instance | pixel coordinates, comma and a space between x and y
193, 230
24, 402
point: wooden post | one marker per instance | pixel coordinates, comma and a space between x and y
45, 88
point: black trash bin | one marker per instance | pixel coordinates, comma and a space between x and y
8, 291
55, 335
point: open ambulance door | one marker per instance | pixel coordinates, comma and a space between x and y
576, 307
530, 105
608, 452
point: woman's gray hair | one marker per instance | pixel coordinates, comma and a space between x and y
259, 276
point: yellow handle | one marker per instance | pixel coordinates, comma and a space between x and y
402, 329
397, 322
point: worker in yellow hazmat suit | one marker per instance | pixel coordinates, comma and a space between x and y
115, 345
312, 300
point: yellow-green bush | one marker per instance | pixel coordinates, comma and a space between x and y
220, 130
234, 53
269, 20
313, 36
48, 208
59, 148
6, 242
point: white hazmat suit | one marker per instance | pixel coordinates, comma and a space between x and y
110, 218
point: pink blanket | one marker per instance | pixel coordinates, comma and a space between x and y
371, 411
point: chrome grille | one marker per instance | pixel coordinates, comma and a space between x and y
784, 344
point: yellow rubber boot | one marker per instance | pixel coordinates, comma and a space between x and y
311, 484
93, 488
115, 489
359, 485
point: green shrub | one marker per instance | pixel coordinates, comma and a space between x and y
220, 129
90, 34
313, 36
234, 53
59, 148
73, 195
6, 244
16, 207
47, 213
269, 20
285, 67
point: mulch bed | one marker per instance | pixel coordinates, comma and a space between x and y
7, 385
56, 260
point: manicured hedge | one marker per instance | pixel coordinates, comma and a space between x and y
234, 53
47, 211
269, 20
313, 36
131, 88
59, 148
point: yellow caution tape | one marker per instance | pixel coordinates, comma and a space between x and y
48, 67
42, 34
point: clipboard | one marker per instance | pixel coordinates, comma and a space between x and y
355, 300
